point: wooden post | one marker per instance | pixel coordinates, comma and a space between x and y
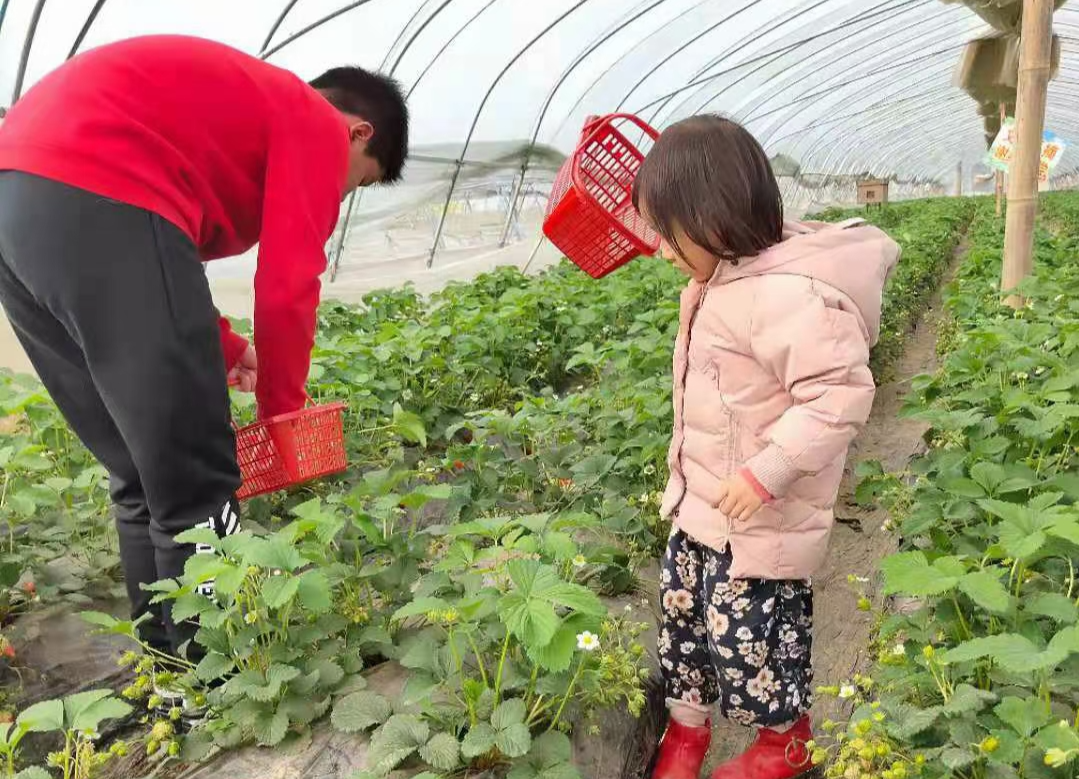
959, 179
1000, 173
1035, 53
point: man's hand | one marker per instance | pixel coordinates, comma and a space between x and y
737, 499
244, 374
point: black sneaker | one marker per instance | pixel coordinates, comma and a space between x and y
175, 707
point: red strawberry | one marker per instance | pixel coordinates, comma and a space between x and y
458, 465
30, 589
8, 650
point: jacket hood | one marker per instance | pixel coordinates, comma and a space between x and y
852, 257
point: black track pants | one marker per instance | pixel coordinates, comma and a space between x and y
113, 308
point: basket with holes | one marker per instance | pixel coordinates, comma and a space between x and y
291, 449
590, 215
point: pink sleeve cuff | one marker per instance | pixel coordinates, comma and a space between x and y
758, 488
774, 471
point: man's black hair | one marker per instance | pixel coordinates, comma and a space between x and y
377, 99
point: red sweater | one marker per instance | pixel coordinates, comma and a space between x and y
228, 148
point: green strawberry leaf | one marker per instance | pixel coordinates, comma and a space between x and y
442, 752
985, 589
910, 573
360, 711
478, 741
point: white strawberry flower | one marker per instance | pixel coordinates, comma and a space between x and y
587, 641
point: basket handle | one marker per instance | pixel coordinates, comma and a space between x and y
592, 130
236, 383
652, 132
590, 123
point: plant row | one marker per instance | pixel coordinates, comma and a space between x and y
981, 679
509, 441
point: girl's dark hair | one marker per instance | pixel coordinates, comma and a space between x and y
708, 176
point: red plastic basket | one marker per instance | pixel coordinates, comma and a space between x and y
291, 449
590, 214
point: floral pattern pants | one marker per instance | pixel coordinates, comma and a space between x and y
742, 643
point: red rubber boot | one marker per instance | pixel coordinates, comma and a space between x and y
682, 751
772, 756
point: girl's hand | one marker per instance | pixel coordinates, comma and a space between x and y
738, 499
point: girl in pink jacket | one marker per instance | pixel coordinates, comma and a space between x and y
771, 385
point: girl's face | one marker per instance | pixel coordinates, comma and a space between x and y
697, 263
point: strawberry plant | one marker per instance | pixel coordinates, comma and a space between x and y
76, 719
981, 679
293, 613
57, 536
507, 439
504, 645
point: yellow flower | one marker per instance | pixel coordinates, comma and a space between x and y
1056, 757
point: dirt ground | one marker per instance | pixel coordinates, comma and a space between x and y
842, 633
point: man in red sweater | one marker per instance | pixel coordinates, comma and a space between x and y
121, 173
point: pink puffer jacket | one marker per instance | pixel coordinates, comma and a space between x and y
771, 374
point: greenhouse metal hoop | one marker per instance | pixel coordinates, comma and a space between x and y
758, 103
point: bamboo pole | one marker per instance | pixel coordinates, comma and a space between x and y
1035, 54
1000, 174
